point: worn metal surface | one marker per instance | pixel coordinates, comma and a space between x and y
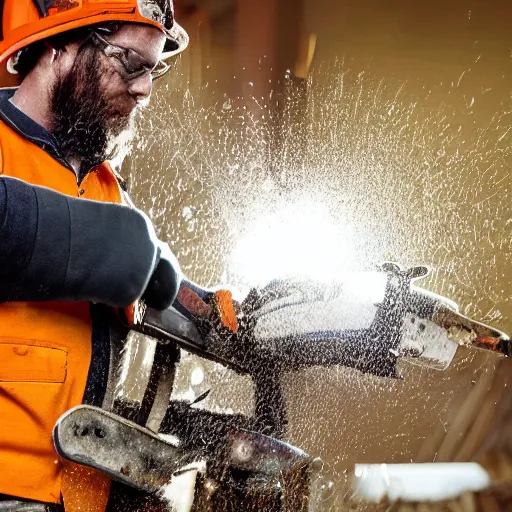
122, 449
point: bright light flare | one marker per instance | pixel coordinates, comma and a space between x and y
298, 239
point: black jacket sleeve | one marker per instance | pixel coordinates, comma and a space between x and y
59, 248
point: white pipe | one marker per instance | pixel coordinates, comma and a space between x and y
418, 482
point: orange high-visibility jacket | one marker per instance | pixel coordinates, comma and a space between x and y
46, 348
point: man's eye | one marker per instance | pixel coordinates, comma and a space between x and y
133, 69
133, 63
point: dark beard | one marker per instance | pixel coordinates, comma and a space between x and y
82, 120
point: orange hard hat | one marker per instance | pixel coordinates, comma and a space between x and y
27, 21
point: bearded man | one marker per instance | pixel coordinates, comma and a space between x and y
73, 249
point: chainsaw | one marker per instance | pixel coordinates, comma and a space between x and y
234, 462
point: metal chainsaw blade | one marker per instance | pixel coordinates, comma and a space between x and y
120, 448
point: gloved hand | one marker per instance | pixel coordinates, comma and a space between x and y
59, 248
165, 280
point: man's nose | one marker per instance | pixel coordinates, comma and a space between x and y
141, 86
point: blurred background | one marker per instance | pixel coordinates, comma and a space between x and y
314, 137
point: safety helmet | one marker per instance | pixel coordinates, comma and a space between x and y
27, 21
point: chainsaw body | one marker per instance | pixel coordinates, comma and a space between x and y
235, 462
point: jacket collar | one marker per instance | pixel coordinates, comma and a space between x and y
28, 128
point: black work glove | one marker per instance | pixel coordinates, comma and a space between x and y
164, 282
59, 248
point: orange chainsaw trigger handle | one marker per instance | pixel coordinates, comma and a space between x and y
225, 307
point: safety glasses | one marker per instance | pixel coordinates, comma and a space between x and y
132, 65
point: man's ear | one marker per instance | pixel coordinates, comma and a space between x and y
61, 58
50, 53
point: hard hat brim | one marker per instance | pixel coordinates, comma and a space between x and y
177, 41
25, 35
